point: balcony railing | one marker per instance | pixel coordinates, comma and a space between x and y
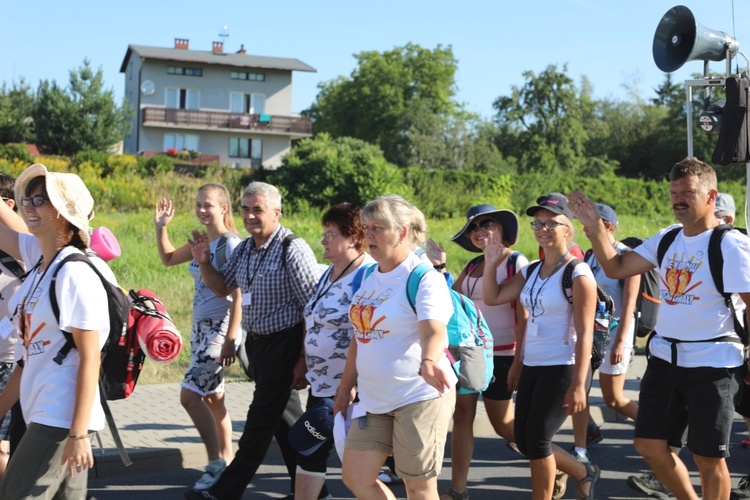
294, 125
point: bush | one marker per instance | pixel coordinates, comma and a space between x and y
16, 152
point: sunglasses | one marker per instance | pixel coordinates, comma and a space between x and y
484, 226
36, 201
550, 224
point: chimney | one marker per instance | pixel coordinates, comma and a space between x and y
218, 47
181, 43
242, 50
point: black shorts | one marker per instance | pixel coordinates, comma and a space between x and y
701, 399
498, 388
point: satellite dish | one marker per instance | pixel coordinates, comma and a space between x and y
679, 39
148, 88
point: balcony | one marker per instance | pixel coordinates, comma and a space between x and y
293, 126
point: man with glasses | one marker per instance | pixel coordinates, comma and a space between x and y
695, 351
277, 274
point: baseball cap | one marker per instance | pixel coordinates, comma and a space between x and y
725, 203
313, 428
557, 203
607, 213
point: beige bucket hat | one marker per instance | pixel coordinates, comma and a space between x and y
67, 193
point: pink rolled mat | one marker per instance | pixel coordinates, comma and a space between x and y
157, 335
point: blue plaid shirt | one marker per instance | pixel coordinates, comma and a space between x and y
279, 290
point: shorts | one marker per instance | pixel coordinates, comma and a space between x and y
622, 367
6, 369
701, 399
498, 388
205, 375
414, 434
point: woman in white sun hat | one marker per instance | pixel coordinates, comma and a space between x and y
60, 402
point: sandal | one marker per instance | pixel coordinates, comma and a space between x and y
592, 476
451, 494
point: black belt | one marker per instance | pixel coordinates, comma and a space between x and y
263, 336
673, 343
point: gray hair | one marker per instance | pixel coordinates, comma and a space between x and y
273, 197
395, 212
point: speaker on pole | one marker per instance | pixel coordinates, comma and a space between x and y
679, 39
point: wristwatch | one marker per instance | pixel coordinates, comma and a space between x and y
440, 267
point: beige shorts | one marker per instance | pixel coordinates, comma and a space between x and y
414, 434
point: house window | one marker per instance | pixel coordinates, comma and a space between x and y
253, 77
182, 98
254, 104
179, 70
181, 141
243, 147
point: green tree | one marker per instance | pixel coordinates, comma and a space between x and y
387, 94
326, 170
83, 116
16, 107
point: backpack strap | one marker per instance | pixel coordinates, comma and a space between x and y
360, 275
285, 246
511, 264
665, 243
716, 265
587, 256
12, 265
221, 249
412, 284
472, 264
567, 279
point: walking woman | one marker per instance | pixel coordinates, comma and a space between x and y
556, 348
328, 329
216, 325
405, 381
507, 322
60, 402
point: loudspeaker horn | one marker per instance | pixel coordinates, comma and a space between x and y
679, 39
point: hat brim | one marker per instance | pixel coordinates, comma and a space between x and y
506, 218
56, 184
531, 211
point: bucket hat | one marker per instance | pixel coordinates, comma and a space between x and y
506, 218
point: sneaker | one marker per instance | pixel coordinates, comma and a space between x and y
649, 484
451, 494
742, 490
388, 477
209, 478
199, 495
746, 443
593, 435
561, 484
584, 459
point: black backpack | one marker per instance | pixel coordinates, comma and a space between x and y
649, 295
120, 358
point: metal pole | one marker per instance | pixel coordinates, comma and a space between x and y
689, 112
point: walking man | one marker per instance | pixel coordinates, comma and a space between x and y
689, 380
276, 273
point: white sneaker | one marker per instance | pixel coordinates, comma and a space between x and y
209, 478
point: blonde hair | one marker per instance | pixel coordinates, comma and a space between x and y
395, 212
224, 199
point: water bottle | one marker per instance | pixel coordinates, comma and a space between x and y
601, 319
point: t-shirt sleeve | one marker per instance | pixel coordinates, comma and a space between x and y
28, 245
81, 298
649, 249
583, 269
433, 298
735, 247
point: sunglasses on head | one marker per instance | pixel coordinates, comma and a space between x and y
483, 225
550, 224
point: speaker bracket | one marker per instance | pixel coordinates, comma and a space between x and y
705, 84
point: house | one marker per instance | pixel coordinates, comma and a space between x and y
231, 107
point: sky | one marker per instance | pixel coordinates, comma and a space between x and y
494, 42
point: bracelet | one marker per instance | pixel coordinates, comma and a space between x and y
76, 437
428, 359
439, 267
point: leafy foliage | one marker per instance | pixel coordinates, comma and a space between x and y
16, 107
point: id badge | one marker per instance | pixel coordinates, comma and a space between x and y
247, 298
6, 327
531, 330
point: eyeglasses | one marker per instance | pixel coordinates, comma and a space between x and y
328, 236
36, 201
550, 224
483, 225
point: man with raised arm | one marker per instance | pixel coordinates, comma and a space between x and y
689, 380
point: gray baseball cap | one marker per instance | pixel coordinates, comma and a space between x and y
725, 203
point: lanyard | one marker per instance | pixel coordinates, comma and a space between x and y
322, 294
260, 262
535, 299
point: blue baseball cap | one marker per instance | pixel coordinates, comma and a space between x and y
607, 213
313, 428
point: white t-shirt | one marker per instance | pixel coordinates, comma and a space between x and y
691, 308
329, 332
9, 283
206, 305
387, 332
550, 331
501, 319
48, 389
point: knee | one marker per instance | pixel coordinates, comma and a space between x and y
188, 398
709, 465
464, 415
651, 449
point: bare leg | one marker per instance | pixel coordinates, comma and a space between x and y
307, 485
421, 490
667, 466
223, 424
360, 474
542, 477
203, 419
715, 480
462, 440
614, 395
580, 425
500, 414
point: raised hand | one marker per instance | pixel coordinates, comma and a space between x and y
435, 252
493, 249
583, 209
163, 212
199, 246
